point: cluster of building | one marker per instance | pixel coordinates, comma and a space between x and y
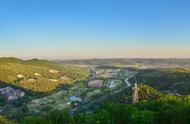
113, 83
107, 73
75, 99
95, 83
9, 94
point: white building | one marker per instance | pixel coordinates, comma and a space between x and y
75, 99
53, 71
20, 76
9, 94
95, 83
37, 74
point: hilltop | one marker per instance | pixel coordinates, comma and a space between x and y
38, 75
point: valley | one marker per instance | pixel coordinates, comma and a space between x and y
82, 96
81, 89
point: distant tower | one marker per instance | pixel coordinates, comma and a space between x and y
135, 93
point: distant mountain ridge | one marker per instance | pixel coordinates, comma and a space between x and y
130, 61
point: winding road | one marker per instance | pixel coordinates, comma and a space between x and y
96, 102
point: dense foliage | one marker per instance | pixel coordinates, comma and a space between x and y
3, 120
36, 75
153, 108
169, 79
152, 112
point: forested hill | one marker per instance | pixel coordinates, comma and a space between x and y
38, 75
153, 108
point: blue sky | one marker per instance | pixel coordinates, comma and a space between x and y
58, 29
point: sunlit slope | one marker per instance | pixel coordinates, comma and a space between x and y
4, 120
38, 75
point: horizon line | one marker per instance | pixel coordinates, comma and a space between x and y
93, 58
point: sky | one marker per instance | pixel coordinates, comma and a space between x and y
69, 29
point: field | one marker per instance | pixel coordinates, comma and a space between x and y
45, 104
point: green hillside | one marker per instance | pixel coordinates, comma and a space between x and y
38, 75
168, 79
153, 108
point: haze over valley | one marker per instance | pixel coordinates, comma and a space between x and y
94, 62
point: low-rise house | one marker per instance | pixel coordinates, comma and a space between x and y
107, 73
99, 72
95, 83
75, 99
64, 78
9, 94
37, 74
19, 93
53, 71
20, 76
53, 80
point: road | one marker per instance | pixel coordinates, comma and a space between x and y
86, 106
96, 102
